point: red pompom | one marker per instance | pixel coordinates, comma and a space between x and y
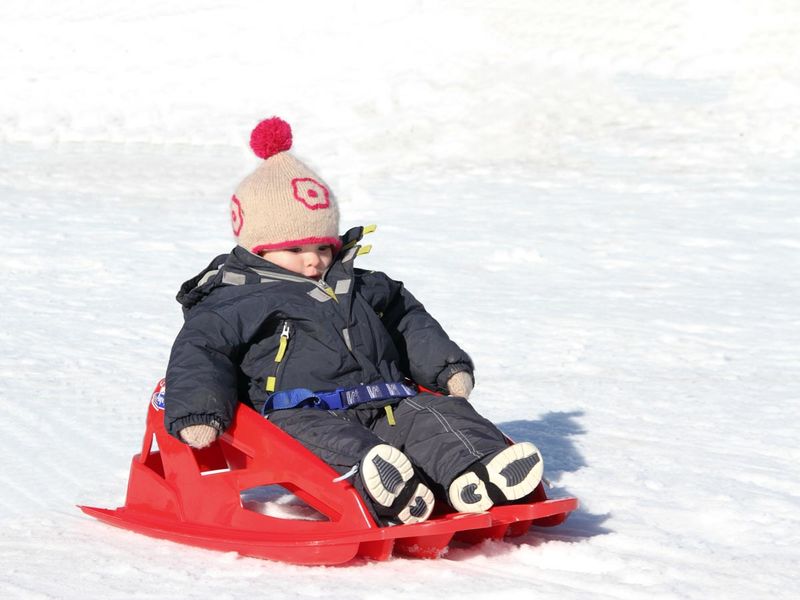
270, 137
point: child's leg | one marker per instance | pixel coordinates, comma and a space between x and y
330, 435
385, 478
464, 455
442, 435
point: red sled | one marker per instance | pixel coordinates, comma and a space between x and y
222, 497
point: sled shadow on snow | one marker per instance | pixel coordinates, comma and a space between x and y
554, 435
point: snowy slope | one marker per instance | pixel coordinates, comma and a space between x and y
600, 201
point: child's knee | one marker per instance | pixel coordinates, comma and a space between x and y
450, 403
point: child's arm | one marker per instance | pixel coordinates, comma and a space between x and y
432, 358
201, 380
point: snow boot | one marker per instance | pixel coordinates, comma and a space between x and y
395, 489
502, 477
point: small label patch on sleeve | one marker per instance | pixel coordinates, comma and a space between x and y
157, 399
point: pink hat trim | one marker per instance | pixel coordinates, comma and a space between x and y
335, 242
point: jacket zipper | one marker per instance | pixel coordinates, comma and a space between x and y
322, 285
283, 345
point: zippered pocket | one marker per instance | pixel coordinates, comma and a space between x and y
280, 356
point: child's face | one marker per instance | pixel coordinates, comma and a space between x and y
309, 260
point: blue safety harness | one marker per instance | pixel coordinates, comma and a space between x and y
338, 398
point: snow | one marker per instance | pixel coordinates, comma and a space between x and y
598, 199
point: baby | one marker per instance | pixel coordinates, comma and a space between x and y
333, 355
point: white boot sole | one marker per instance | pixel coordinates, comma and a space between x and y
385, 471
421, 503
468, 493
507, 470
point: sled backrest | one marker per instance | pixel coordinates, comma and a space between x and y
209, 483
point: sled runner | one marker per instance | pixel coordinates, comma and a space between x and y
220, 498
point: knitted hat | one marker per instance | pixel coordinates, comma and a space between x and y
282, 203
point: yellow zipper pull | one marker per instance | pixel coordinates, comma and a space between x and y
390, 415
323, 285
282, 345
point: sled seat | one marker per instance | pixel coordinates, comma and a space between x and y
222, 498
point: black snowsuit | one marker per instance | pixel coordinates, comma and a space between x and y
351, 328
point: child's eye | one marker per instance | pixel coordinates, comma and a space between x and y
295, 250
324, 248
